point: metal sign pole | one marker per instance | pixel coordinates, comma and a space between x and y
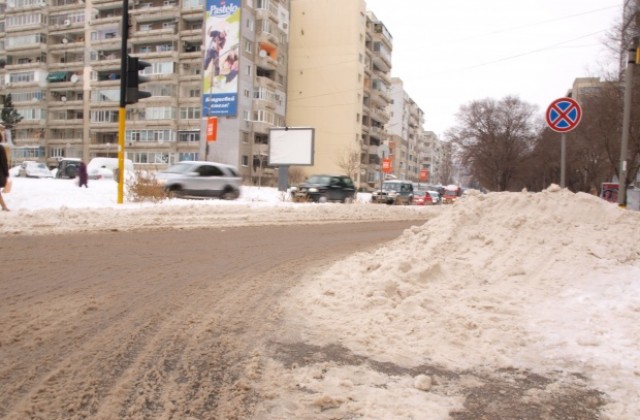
563, 160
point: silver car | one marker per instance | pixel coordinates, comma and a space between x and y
201, 179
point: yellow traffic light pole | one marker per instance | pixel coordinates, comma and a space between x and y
123, 104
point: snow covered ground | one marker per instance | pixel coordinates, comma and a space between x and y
547, 283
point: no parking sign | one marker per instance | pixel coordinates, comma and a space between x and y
563, 115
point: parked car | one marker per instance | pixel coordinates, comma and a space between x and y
33, 169
422, 198
107, 168
68, 168
192, 179
394, 192
324, 188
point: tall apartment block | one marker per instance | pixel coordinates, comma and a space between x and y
339, 83
408, 152
60, 60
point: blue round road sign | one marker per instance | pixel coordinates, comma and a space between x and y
563, 115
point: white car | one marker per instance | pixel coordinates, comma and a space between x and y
33, 169
190, 179
107, 168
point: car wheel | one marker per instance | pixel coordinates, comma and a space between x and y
174, 192
229, 194
323, 199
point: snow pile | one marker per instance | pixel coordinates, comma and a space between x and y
540, 281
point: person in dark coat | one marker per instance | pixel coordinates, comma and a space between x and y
4, 172
83, 176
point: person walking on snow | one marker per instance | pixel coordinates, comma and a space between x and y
83, 176
4, 172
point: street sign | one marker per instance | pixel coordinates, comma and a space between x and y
212, 129
386, 166
383, 151
424, 174
563, 115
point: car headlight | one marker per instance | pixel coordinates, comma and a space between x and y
313, 190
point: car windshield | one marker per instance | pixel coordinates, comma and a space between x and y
179, 168
391, 186
318, 179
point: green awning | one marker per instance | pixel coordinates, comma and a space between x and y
58, 76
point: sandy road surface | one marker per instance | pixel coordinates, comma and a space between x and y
151, 325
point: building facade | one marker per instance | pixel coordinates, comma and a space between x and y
60, 60
339, 84
302, 63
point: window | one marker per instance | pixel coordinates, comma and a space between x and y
209, 170
189, 136
104, 116
188, 156
245, 160
31, 114
248, 46
189, 113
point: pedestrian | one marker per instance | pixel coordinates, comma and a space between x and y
83, 176
4, 172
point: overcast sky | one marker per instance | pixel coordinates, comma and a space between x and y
451, 53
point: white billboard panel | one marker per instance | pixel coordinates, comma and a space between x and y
291, 146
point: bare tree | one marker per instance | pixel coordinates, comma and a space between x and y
446, 168
495, 139
349, 162
296, 175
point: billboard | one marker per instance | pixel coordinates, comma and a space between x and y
221, 58
291, 146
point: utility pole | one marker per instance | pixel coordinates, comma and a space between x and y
633, 57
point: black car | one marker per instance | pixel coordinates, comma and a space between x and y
324, 188
68, 168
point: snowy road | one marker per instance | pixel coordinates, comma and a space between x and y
160, 325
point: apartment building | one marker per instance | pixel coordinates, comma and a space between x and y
339, 84
405, 134
60, 60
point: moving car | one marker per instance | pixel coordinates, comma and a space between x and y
324, 188
422, 198
200, 179
394, 192
33, 169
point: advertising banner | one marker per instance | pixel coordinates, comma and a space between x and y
221, 58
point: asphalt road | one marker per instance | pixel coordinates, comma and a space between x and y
153, 324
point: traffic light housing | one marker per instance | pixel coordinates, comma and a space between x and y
134, 65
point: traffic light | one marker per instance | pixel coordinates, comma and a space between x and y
134, 65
